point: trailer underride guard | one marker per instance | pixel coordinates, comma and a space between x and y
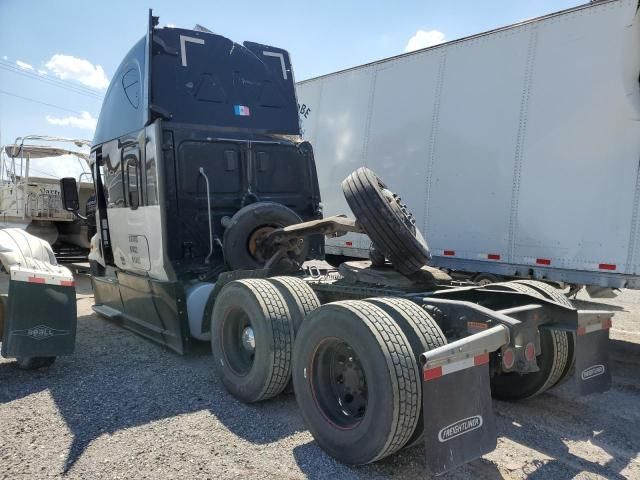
208, 212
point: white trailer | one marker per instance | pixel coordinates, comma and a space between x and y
517, 149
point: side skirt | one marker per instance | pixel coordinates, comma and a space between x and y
151, 308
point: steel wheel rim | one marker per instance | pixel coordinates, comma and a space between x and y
237, 335
339, 383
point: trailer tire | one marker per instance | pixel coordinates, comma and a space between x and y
252, 339
483, 279
552, 360
376, 257
386, 221
34, 363
356, 381
299, 297
251, 223
552, 293
423, 334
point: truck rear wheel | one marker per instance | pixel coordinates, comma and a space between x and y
299, 297
356, 381
548, 291
386, 220
551, 361
252, 339
423, 334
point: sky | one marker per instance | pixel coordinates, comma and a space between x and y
56, 58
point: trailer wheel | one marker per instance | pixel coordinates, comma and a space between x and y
356, 381
249, 226
483, 279
299, 297
386, 220
423, 334
34, 363
252, 339
376, 257
554, 294
552, 360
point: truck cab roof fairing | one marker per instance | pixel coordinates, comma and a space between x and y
207, 79
123, 109
201, 78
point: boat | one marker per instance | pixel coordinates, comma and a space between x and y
34, 204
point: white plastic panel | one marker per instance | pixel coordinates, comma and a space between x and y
582, 140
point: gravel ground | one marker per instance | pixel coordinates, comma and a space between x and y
122, 407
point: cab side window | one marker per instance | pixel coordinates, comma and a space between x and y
112, 170
131, 162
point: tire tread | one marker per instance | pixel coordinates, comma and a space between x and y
405, 376
559, 340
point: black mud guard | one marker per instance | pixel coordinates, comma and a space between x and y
459, 423
40, 318
592, 371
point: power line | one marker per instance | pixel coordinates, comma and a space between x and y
41, 103
15, 68
51, 81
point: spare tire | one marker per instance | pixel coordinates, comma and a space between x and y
252, 223
386, 220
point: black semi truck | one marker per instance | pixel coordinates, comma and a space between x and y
209, 221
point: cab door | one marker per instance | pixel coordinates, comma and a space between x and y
130, 172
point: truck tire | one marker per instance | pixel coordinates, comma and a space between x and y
356, 381
252, 223
423, 334
3, 307
252, 339
551, 361
386, 221
34, 363
552, 293
299, 297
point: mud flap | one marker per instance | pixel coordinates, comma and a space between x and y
459, 424
40, 316
593, 373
